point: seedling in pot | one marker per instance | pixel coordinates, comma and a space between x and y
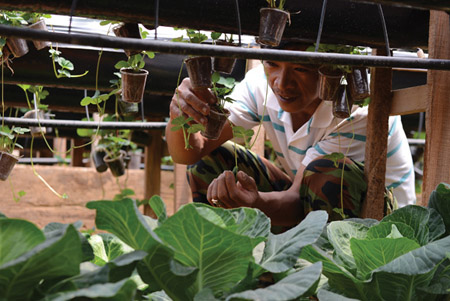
223, 64
8, 142
272, 23
17, 46
36, 21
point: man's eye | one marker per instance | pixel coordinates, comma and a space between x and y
299, 69
270, 63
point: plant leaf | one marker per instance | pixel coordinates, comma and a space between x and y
159, 207
383, 229
440, 201
107, 247
291, 287
59, 255
282, 250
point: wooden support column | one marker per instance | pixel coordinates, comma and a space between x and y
376, 144
437, 147
77, 153
153, 154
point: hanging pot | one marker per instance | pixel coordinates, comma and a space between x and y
342, 105
40, 25
128, 30
224, 64
358, 84
329, 82
97, 157
271, 26
128, 108
216, 122
141, 138
199, 69
116, 165
18, 47
7, 162
36, 130
133, 84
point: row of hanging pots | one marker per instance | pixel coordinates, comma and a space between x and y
343, 96
18, 47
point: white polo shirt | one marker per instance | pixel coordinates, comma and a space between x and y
322, 134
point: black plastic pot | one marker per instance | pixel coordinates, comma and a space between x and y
116, 165
216, 122
40, 25
133, 84
199, 69
7, 162
329, 83
224, 64
271, 26
358, 84
18, 47
128, 30
141, 138
97, 157
342, 105
128, 108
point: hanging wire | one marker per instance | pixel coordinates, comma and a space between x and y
156, 18
238, 16
322, 18
385, 33
72, 10
86, 106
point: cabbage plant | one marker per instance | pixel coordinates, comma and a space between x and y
402, 257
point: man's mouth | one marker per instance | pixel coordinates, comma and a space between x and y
287, 98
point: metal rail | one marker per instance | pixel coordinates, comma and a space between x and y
215, 50
85, 124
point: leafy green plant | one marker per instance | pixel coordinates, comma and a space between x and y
114, 144
13, 18
9, 136
273, 4
193, 36
135, 62
338, 48
403, 257
221, 87
65, 66
33, 17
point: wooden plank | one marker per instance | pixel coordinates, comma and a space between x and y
77, 153
376, 144
182, 193
409, 100
437, 147
153, 154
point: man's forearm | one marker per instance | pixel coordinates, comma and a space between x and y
283, 207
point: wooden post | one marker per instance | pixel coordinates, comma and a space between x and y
437, 147
153, 154
376, 143
77, 153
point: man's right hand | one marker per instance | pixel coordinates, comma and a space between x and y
191, 102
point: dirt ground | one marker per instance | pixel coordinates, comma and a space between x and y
81, 184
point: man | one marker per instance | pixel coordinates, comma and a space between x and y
302, 130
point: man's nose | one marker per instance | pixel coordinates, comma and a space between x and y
284, 79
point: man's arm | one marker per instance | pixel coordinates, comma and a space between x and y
283, 207
192, 103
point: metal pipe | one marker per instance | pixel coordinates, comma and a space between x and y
85, 124
215, 50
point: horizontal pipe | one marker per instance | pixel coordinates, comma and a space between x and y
85, 124
224, 51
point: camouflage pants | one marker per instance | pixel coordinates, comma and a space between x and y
320, 188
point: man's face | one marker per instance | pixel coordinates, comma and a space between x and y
295, 85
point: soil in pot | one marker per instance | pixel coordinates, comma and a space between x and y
97, 157
224, 64
199, 69
40, 25
271, 26
35, 130
7, 162
128, 30
18, 47
329, 82
358, 84
128, 108
216, 122
342, 106
133, 84
116, 165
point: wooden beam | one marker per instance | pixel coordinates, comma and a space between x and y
153, 154
409, 100
437, 147
376, 144
77, 153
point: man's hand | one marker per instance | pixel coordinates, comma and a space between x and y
225, 192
